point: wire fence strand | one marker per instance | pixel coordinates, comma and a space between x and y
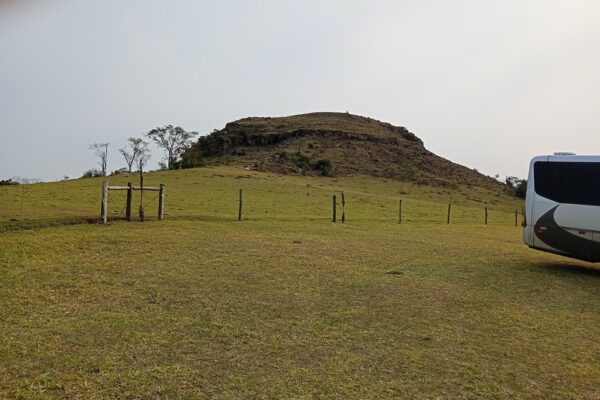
68, 202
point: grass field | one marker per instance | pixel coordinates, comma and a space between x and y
212, 193
286, 304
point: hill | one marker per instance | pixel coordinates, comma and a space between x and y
331, 144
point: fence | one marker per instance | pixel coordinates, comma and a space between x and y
80, 201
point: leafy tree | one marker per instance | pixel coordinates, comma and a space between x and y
101, 151
133, 150
517, 186
173, 140
521, 189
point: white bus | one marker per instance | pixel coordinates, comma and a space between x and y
562, 206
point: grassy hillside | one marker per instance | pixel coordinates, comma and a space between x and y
286, 304
332, 144
213, 193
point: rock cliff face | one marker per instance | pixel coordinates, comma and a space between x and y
333, 144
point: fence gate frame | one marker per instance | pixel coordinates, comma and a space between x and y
130, 188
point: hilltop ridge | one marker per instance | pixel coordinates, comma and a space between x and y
331, 144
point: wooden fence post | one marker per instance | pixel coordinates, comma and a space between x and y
343, 208
241, 205
104, 204
449, 207
129, 200
141, 209
516, 216
334, 208
486, 216
400, 211
161, 202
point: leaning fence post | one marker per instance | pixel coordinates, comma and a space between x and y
104, 204
334, 208
486, 216
343, 208
449, 207
161, 202
129, 200
241, 205
400, 211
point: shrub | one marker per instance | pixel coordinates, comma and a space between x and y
412, 171
7, 182
259, 166
92, 173
390, 171
302, 161
324, 166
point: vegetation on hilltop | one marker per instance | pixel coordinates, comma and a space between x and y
337, 144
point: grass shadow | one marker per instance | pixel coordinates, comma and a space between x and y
569, 268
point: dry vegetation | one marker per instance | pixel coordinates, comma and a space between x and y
350, 144
286, 304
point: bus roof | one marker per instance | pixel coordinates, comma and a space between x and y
567, 158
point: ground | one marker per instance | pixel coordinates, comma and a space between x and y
296, 306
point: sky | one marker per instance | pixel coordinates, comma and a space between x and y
487, 84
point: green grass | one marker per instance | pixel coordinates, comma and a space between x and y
212, 193
289, 305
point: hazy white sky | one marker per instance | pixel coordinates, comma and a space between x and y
487, 84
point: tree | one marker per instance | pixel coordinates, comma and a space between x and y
132, 151
101, 151
143, 155
173, 140
142, 159
521, 189
518, 186
25, 181
7, 182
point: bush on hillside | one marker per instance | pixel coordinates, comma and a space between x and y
302, 161
325, 166
92, 173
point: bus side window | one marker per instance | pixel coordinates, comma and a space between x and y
568, 182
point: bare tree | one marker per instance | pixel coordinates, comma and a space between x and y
25, 181
143, 155
173, 140
101, 151
142, 158
131, 152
